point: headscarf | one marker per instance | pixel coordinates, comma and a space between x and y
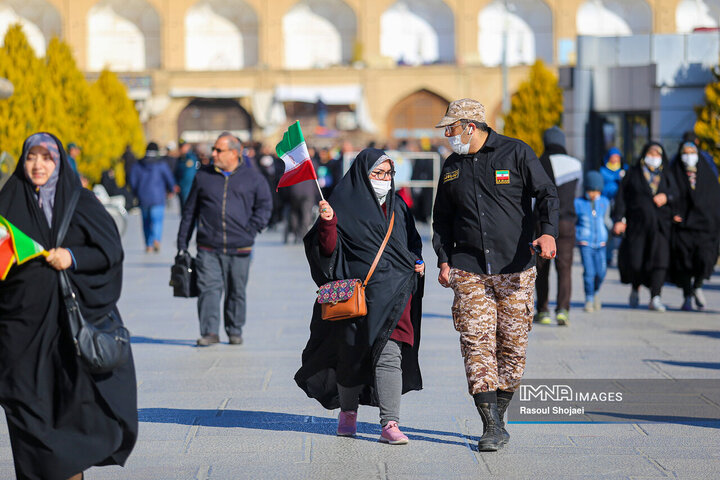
653, 176
44, 193
383, 158
610, 153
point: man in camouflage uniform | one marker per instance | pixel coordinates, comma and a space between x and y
483, 223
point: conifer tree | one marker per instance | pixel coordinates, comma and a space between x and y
536, 106
707, 125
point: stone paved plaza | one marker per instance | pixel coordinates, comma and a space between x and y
234, 412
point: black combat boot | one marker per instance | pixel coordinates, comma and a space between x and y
503, 400
491, 439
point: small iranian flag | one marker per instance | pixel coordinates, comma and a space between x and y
293, 151
15, 247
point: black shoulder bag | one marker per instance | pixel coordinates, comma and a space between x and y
103, 344
183, 276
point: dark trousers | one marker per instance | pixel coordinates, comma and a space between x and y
563, 265
217, 274
657, 279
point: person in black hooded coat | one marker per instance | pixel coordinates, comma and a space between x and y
696, 224
340, 362
62, 420
643, 211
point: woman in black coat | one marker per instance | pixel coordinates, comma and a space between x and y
696, 224
643, 212
372, 359
62, 420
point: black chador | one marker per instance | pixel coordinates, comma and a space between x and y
361, 228
61, 419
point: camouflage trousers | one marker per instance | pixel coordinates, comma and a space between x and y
493, 314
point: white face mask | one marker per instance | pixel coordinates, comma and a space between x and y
689, 159
457, 145
653, 162
381, 187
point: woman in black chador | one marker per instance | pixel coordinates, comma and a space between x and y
696, 224
373, 359
62, 420
643, 212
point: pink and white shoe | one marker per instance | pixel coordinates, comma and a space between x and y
391, 434
347, 424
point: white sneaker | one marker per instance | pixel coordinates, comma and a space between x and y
597, 304
699, 298
634, 298
589, 307
656, 305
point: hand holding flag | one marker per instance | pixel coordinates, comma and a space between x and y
293, 151
16, 247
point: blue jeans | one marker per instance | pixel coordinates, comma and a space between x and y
220, 274
594, 262
152, 218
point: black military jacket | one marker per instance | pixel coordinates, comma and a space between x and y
483, 215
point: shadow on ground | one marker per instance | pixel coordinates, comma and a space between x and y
702, 333
161, 341
288, 422
710, 365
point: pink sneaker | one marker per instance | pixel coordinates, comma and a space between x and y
347, 424
391, 434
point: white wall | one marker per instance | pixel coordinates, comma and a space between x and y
319, 33
692, 14
418, 32
529, 32
123, 35
40, 21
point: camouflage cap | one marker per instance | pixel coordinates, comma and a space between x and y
463, 109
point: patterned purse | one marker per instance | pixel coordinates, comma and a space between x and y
343, 299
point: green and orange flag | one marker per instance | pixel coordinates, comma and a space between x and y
16, 247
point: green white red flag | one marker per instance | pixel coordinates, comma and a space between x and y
15, 247
293, 151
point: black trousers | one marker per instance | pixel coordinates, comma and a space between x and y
563, 265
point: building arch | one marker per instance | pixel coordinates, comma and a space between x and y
614, 18
40, 21
204, 119
529, 26
418, 32
135, 25
319, 33
221, 35
693, 14
416, 115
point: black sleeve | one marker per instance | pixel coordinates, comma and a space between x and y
102, 248
189, 215
414, 239
262, 208
543, 189
442, 240
618, 212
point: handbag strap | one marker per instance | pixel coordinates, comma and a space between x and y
68, 295
69, 211
382, 247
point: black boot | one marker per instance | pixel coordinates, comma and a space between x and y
491, 439
503, 400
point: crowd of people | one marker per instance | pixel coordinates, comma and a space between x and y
500, 216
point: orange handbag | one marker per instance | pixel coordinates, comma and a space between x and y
343, 299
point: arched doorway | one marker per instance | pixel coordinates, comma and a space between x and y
416, 115
135, 25
697, 14
614, 18
204, 119
221, 35
40, 21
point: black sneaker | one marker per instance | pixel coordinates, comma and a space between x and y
207, 340
236, 340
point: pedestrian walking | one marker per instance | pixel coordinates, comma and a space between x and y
613, 171
152, 181
592, 237
696, 224
643, 213
185, 169
483, 222
566, 172
301, 198
369, 360
61, 419
230, 204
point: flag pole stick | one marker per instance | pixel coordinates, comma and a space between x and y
319, 189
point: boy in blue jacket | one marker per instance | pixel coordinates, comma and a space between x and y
591, 236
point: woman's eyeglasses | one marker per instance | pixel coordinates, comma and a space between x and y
383, 174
